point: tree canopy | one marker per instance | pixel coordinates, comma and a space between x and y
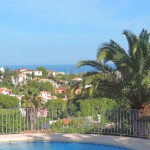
7, 101
44, 71
130, 80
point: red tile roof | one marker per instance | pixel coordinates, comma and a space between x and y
7, 90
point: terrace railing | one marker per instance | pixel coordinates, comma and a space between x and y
73, 120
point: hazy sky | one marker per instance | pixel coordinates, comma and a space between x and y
65, 31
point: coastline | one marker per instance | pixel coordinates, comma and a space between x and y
66, 68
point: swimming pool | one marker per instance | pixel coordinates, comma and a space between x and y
56, 146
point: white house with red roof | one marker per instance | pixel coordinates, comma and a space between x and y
5, 91
46, 95
26, 71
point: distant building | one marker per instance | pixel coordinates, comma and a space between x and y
77, 79
28, 72
20, 79
5, 91
54, 73
2, 69
61, 90
38, 73
45, 96
22, 70
42, 113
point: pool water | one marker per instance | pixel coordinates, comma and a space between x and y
56, 146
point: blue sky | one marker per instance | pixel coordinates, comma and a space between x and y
65, 31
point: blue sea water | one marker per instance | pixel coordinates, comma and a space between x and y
56, 146
68, 69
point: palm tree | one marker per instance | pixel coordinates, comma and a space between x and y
133, 66
32, 103
98, 79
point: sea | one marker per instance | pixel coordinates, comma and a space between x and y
67, 69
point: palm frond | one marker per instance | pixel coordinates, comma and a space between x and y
115, 53
94, 64
132, 41
134, 66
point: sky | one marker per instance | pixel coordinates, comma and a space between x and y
65, 31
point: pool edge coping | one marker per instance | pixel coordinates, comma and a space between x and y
119, 141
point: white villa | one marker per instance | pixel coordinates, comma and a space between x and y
23, 76
21, 79
26, 71
46, 95
54, 73
2, 69
38, 73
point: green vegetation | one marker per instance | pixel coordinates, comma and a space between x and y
59, 103
44, 71
32, 91
8, 101
11, 121
31, 100
80, 107
96, 104
6, 82
65, 77
129, 82
104, 92
39, 86
56, 108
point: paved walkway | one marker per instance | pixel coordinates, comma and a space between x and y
133, 143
